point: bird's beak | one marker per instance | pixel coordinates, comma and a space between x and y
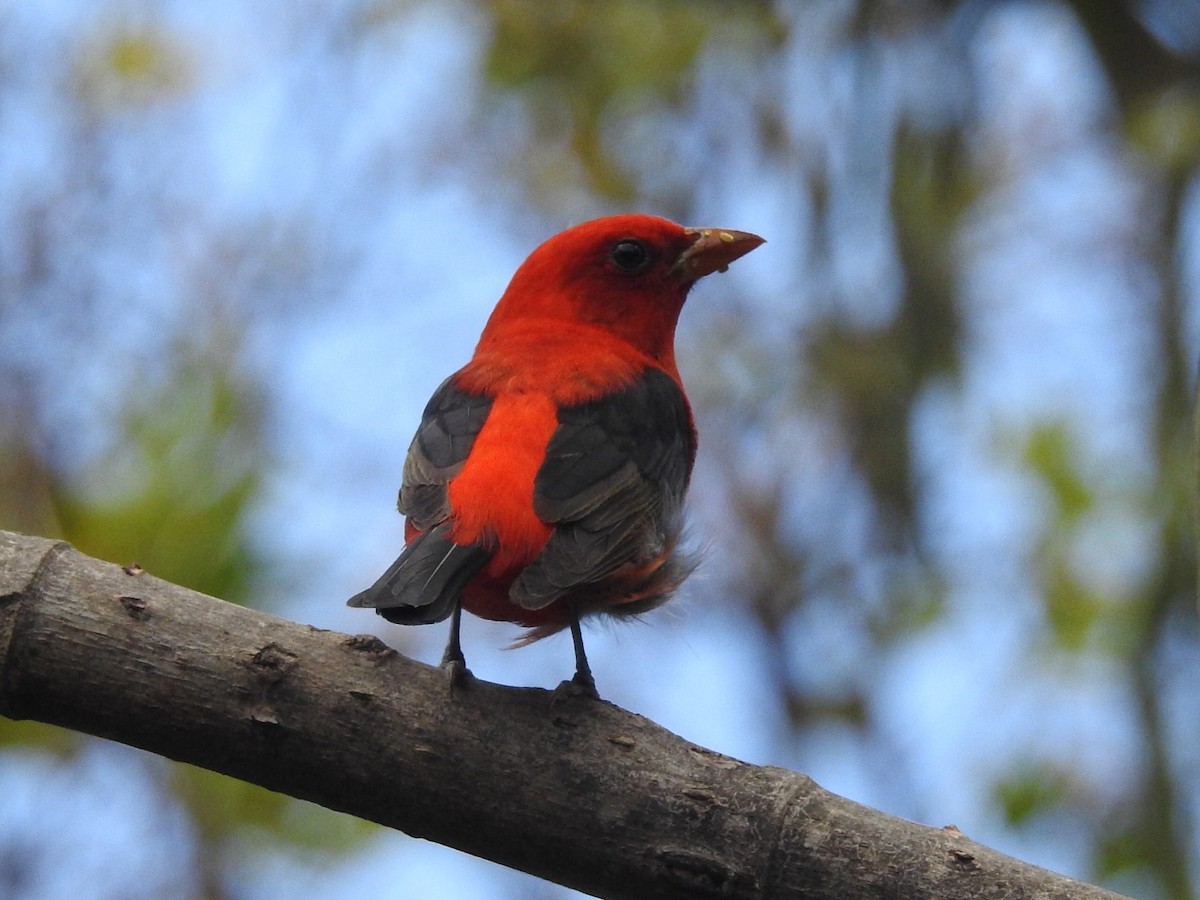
712, 250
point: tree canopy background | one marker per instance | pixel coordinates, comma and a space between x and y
946, 448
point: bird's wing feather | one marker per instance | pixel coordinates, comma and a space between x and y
449, 426
426, 581
612, 484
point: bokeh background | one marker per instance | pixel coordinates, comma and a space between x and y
945, 459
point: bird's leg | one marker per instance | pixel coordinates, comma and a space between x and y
453, 661
582, 679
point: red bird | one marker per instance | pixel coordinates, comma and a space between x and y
547, 477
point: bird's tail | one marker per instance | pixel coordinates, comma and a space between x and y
427, 580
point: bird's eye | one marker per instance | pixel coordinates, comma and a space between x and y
629, 255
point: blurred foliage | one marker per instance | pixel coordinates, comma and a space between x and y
1072, 610
173, 495
1048, 453
184, 454
1167, 129
1029, 791
578, 63
132, 66
224, 809
840, 532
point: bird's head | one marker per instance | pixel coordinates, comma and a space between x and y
627, 274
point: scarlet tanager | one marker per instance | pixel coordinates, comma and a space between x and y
546, 480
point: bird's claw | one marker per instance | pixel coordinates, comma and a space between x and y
457, 673
585, 683
582, 685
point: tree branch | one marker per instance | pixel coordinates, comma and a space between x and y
575, 791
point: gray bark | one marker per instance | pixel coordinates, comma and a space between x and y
572, 790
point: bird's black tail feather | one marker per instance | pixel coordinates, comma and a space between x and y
426, 582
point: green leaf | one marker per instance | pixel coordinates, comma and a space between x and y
224, 807
1030, 790
173, 492
1049, 452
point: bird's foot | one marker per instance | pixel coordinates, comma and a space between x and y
582, 685
458, 676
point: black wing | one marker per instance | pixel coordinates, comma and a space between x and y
425, 583
449, 426
612, 483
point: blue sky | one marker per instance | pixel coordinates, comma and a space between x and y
387, 173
